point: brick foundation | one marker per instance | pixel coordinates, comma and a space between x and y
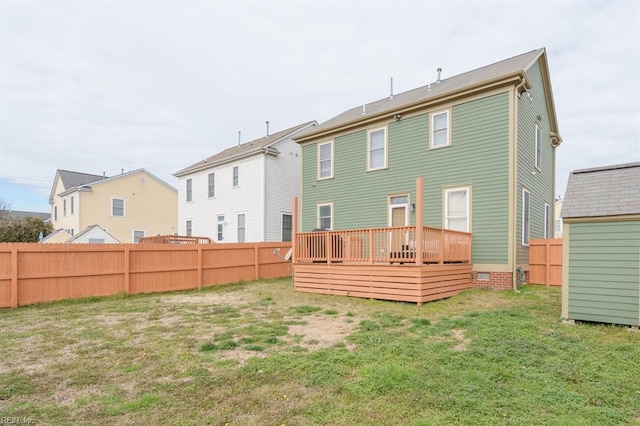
496, 280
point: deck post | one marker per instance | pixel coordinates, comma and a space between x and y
419, 248
294, 229
441, 259
371, 246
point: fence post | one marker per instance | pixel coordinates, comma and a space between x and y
126, 271
419, 233
14, 276
199, 267
256, 265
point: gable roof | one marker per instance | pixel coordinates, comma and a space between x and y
514, 67
100, 229
246, 149
603, 191
57, 235
74, 180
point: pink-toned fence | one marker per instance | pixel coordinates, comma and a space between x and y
33, 273
545, 261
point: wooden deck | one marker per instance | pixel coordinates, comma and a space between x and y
384, 263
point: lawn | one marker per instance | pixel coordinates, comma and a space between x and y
261, 354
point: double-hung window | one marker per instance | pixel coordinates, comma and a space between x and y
137, 235
117, 207
457, 209
242, 227
538, 153
287, 227
325, 216
189, 228
236, 176
220, 228
325, 160
64, 207
212, 185
440, 135
189, 190
377, 149
526, 217
72, 204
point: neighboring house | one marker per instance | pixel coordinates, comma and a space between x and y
557, 219
128, 206
57, 236
601, 245
93, 235
244, 193
484, 143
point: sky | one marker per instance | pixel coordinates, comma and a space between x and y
99, 86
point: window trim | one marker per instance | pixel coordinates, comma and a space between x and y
446, 191
537, 146
330, 176
189, 190
547, 221
385, 148
282, 228
330, 204
526, 223
432, 129
124, 207
211, 192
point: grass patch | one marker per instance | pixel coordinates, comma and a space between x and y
483, 357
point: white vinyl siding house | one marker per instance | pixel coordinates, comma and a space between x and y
242, 192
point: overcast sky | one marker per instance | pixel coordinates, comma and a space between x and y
103, 85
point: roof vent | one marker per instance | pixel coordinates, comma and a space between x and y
267, 128
439, 75
391, 89
239, 137
364, 109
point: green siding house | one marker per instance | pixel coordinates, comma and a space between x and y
601, 245
483, 143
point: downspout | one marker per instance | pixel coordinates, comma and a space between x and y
522, 86
264, 197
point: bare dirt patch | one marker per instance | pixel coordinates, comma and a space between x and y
459, 336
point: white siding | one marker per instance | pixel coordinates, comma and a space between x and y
283, 183
229, 201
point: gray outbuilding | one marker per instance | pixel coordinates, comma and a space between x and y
601, 245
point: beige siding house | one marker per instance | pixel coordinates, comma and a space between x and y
127, 206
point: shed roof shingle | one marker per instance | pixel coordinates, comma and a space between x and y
603, 191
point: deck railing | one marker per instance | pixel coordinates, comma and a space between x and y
383, 245
175, 239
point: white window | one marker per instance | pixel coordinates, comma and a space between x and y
325, 217
70, 231
189, 190
377, 149
456, 209
287, 227
212, 185
241, 227
220, 228
189, 228
547, 221
137, 235
526, 218
325, 160
117, 207
538, 153
236, 176
440, 129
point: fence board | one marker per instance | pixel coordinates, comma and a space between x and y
35, 273
545, 261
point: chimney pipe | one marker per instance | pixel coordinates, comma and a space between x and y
439, 74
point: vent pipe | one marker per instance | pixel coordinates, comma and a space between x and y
391, 90
439, 75
239, 137
267, 128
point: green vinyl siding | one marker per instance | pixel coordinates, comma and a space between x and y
477, 158
539, 183
604, 272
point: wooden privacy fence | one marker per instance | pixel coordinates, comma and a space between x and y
33, 273
545, 261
